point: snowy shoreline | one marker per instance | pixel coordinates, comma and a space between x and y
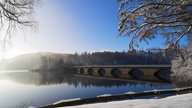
177, 101
117, 98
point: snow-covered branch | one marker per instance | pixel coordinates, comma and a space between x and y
144, 20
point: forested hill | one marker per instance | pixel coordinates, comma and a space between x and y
27, 61
57, 60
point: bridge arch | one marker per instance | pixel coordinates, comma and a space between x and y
90, 71
81, 71
101, 71
136, 73
163, 74
116, 72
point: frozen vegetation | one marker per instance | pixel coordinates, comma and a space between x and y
182, 69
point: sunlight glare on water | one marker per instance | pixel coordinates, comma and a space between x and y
10, 93
6, 84
13, 71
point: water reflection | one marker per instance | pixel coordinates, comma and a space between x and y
42, 88
51, 78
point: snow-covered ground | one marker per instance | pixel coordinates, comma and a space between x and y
178, 101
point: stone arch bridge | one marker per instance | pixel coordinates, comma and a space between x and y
152, 73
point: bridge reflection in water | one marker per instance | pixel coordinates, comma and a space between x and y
152, 73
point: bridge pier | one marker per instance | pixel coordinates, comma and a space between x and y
131, 72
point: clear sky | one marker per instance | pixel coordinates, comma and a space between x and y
69, 26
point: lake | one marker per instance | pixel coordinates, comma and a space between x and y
19, 89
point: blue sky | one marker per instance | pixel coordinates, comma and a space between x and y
69, 26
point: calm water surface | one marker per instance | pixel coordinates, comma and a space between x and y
20, 89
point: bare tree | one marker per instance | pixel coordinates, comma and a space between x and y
15, 15
144, 20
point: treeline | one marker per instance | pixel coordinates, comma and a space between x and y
107, 58
117, 58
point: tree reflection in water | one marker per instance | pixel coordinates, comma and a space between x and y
51, 78
48, 87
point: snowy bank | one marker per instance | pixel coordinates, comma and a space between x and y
178, 101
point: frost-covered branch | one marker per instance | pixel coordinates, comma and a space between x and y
146, 19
